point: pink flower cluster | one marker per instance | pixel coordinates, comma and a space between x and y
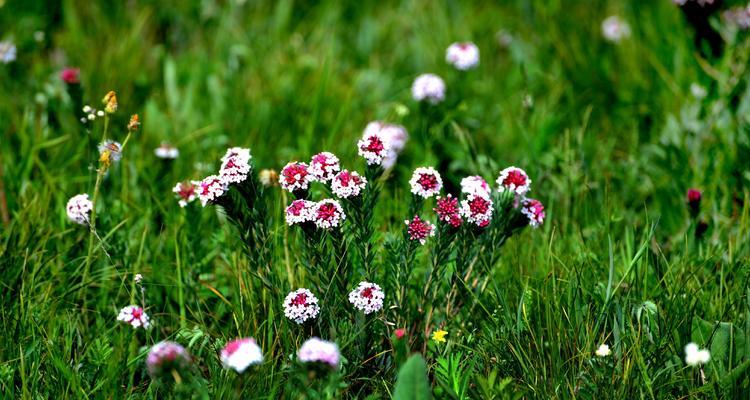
235, 168
135, 317
185, 192
448, 211
165, 357
324, 214
296, 176
235, 165
239, 354
316, 350
377, 133
426, 182
419, 230
348, 184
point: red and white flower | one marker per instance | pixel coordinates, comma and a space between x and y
239, 354
78, 209
419, 230
395, 135
301, 305
295, 176
165, 357
367, 297
348, 184
324, 166
447, 210
534, 210
185, 192
515, 180
315, 350
475, 184
374, 146
235, 165
135, 317
429, 88
211, 188
426, 182
328, 214
299, 212
477, 209
462, 55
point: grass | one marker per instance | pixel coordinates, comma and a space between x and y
612, 141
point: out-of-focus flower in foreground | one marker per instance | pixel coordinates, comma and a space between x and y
166, 151
166, 357
429, 88
695, 356
603, 350
268, 177
239, 354
615, 29
315, 350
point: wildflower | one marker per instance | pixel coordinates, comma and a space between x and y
110, 102
134, 123
78, 208
367, 297
138, 278
694, 201
428, 87
463, 55
439, 336
738, 16
110, 152
165, 357
268, 177
348, 184
166, 151
534, 210
425, 182
475, 184
315, 350
328, 214
71, 76
374, 147
324, 166
235, 165
420, 230
240, 354
300, 211
135, 316
698, 91
295, 176
615, 29
185, 191
211, 188
447, 210
399, 333
301, 305
7, 52
515, 180
477, 210
695, 356
396, 137
603, 350
701, 3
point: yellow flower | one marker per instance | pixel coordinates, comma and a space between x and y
439, 335
110, 102
134, 123
105, 158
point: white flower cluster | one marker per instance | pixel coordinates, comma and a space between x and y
695, 356
210, 188
315, 350
462, 55
295, 176
515, 180
395, 136
323, 166
367, 297
91, 114
78, 209
475, 184
166, 151
328, 214
374, 147
239, 354
301, 305
429, 88
235, 165
300, 211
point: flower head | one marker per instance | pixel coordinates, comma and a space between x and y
603, 350
447, 210
241, 353
315, 350
78, 208
185, 192
110, 102
211, 188
7, 52
477, 210
235, 165
135, 316
534, 210
425, 182
134, 123
374, 147
515, 180
110, 152
615, 29
166, 151
328, 214
301, 305
348, 184
394, 135
419, 230
694, 197
138, 278
439, 336
71, 76
463, 55
299, 212
399, 333
695, 357
165, 357
295, 176
268, 177
429, 88
475, 184
324, 166
367, 297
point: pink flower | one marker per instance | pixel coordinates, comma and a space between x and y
239, 354
515, 180
185, 192
429, 88
324, 166
396, 137
374, 147
135, 317
165, 357
295, 176
534, 211
348, 184
328, 214
315, 350
235, 165
301, 305
477, 210
299, 212
399, 333
462, 55
419, 230
447, 211
426, 182
71, 76
475, 184
210, 188
367, 297
78, 209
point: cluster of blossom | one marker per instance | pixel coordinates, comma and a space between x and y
426, 182
110, 151
738, 16
382, 143
301, 305
419, 229
316, 350
239, 354
448, 211
695, 356
462, 55
515, 180
166, 151
235, 168
91, 113
165, 357
186, 192
70, 76
347, 184
324, 214
429, 88
78, 209
367, 297
135, 317
615, 29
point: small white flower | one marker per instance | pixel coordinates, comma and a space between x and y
91, 117
135, 317
603, 350
428, 87
239, 354
100, 113
698, 91
695, 357
367, 297
425, 182
320, 351
301, 305
138, 278
614, 29
166, 151
463, 55
87, 109
7, 52
78, 208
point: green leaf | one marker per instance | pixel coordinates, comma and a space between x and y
412, 383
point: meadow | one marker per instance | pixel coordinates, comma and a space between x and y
628, 278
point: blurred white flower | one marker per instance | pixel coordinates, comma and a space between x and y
167, 151
603, 350
695, 356
615, 29
698, 91
429, 88
463, 55
7, 52
240, 354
